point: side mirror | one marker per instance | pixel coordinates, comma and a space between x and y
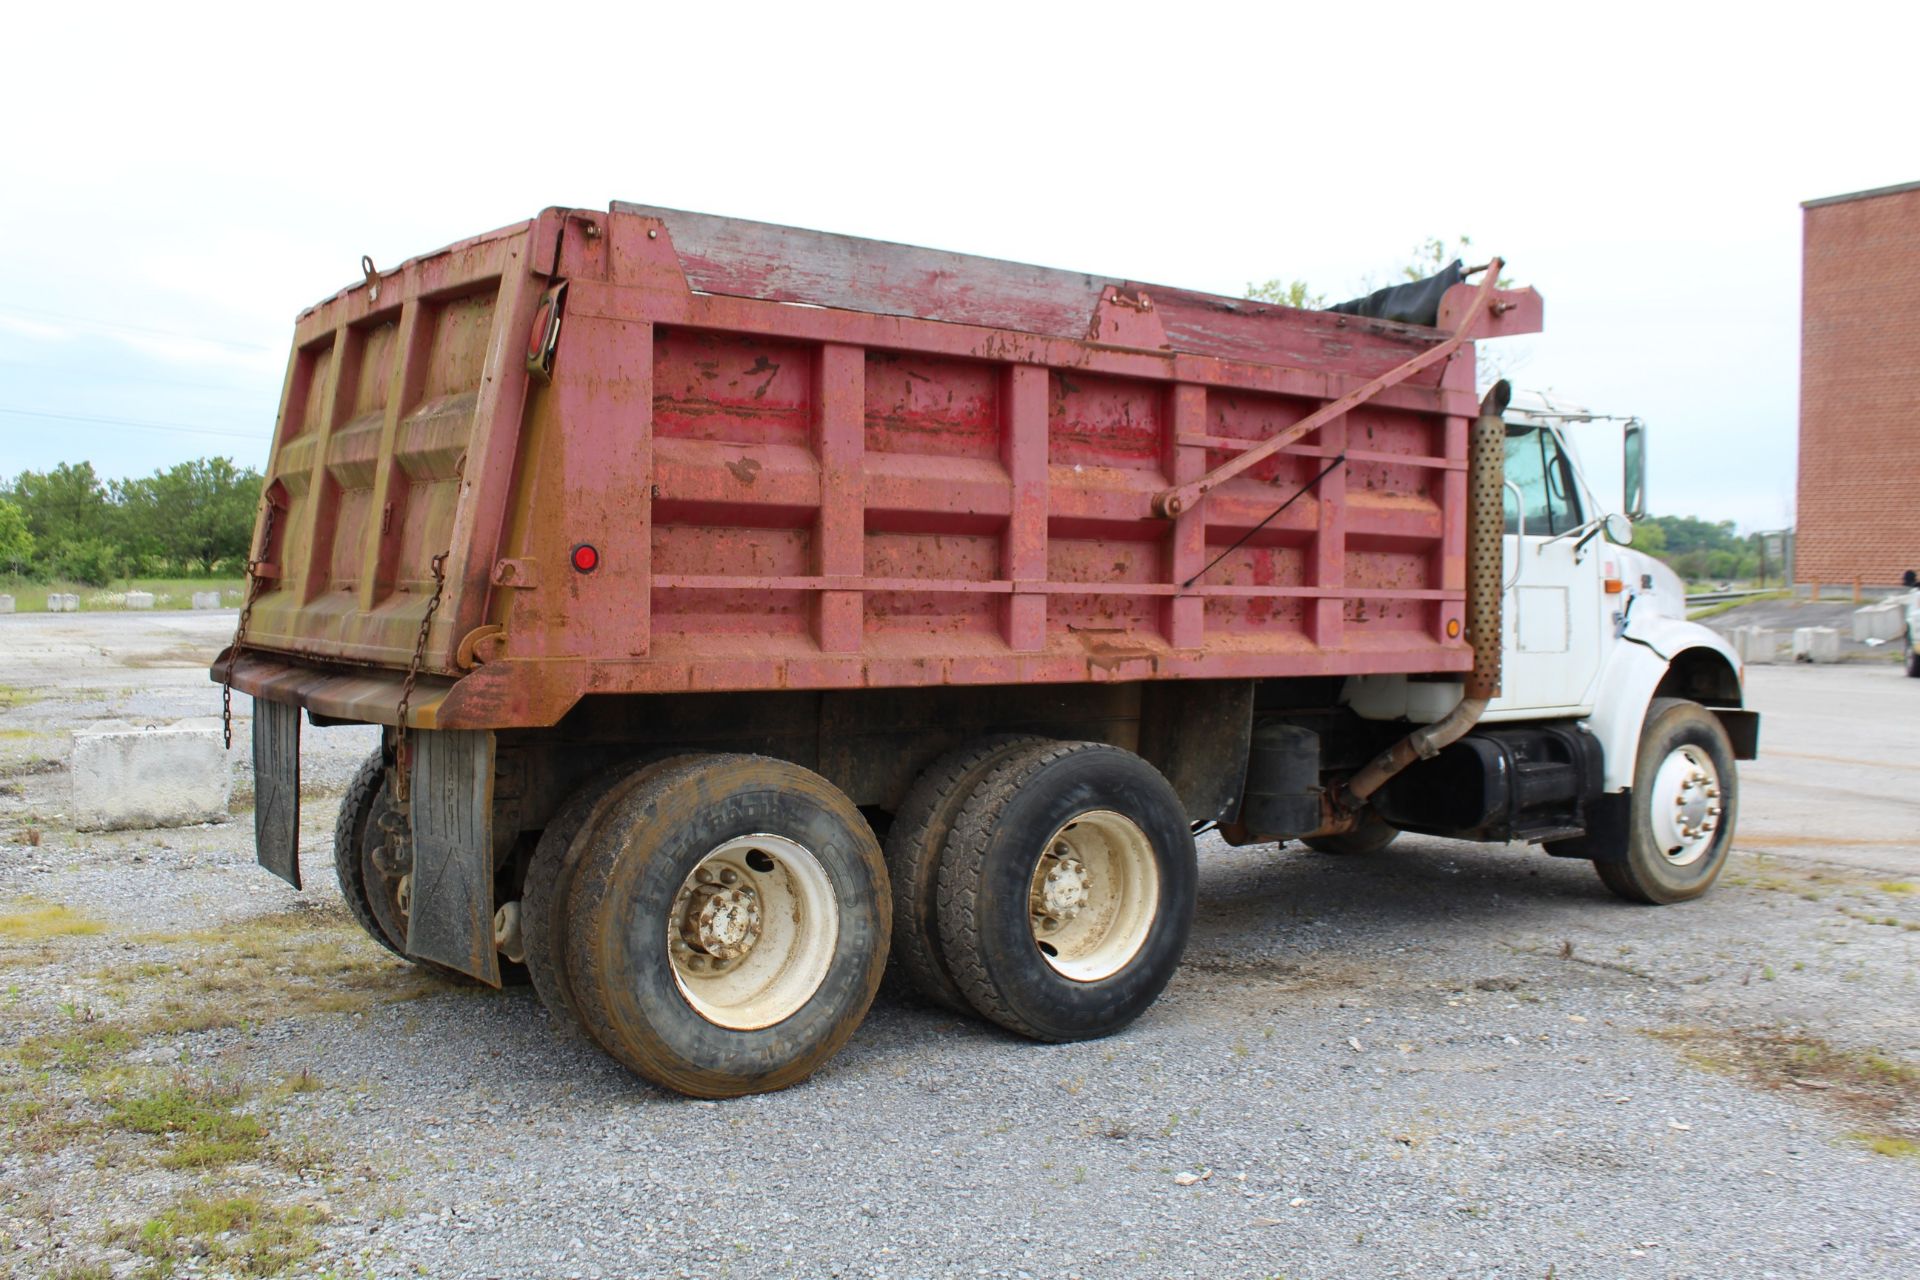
1634, 470
1619, 529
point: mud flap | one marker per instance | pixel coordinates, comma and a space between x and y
450, 914
276, 788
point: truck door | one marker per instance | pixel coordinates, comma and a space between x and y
1552, 622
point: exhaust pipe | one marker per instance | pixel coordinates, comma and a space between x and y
1486, 485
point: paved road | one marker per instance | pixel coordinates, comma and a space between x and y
1838, 778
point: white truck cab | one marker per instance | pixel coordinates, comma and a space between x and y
1618, 722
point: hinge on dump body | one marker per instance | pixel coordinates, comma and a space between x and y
544, 336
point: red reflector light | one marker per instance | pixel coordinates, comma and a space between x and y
585, 558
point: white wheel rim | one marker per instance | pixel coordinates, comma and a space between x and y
1685, 805
1093, 896
752, 931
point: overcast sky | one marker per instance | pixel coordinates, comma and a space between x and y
181, 180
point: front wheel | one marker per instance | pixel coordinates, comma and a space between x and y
1685, 800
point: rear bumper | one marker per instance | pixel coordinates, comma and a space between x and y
358, 696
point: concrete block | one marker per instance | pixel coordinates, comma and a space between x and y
6, 604
135, 778
59, 603
1884, 621
139, 599
1816, 644
206, 599
1757, 646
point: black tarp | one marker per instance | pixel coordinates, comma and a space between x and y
1416, 302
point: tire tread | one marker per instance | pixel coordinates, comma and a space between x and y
961, 875
915, 846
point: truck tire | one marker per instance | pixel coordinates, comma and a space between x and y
1913, 659
351, 850
1067, 890
728, 925
373, 903
549, 883
1373, 834
1685, 801
914, 843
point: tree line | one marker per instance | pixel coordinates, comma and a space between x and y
68, 523
1702, 550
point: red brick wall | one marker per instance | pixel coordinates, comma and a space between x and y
1859, 494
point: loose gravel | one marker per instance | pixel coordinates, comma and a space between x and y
1443, 1060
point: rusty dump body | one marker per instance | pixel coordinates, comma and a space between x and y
810, 462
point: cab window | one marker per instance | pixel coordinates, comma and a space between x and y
1536, 466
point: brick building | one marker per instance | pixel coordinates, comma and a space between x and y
1859, 490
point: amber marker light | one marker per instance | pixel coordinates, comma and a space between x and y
1453, 628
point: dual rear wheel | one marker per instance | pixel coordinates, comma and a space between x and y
720, 923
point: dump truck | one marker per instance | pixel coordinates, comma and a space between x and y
745, 606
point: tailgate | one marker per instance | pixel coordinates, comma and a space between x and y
398, 427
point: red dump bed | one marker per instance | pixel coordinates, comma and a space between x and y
810, 461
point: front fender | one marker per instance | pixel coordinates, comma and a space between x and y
1649, 649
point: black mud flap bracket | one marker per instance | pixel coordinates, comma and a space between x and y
276, 788
450, 907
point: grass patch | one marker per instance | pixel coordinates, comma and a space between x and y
86, 1049
1868, 1082
234, 1235
200, 1120
308, 961
1886, 1144
13, 695
1895, 886
36, 922
168, 593
1724, 606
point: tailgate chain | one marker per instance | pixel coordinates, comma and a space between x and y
401, 765
240, 631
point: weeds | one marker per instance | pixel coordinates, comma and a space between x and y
1868, 1082
39, 921
1885, 1144
237, 1235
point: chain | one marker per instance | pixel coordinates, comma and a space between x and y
402, 766
240, 632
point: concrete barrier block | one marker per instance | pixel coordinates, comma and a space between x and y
139, 599
206, 599
1757, 646
6, 604
1885, 621
135, 778
60, 603
1816, 644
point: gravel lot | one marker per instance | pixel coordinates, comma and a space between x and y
1445, 1060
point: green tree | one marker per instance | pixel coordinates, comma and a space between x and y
66, 505
1287, 293
89, 560
16, 540
197, 513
